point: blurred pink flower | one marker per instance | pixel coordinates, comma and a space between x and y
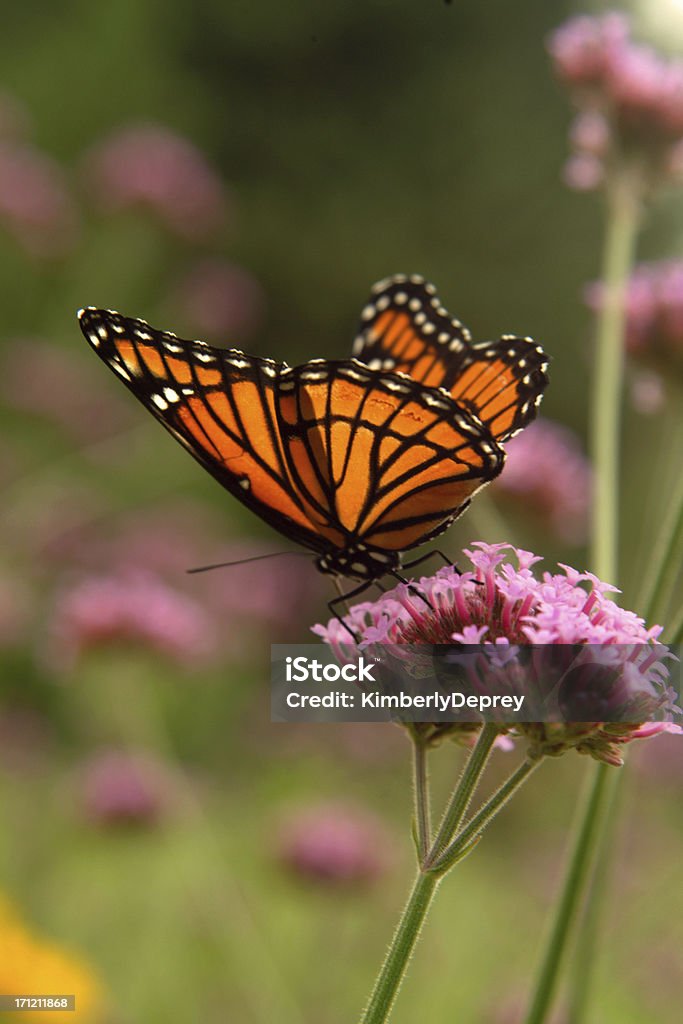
122, 788
220, 300
583, 172
662, 761
630, 98
590, 132
130, 608
276, 592
547, 471
582, 48
654, 312
163, 542
150, 165
35, 204
334, 843
46, 380
647, 393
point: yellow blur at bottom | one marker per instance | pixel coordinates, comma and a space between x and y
33, 965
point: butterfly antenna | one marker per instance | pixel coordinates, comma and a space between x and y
243, 561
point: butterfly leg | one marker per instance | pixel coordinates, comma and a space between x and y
343, 599
411, 586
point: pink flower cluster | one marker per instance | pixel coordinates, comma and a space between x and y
220, 299
124, 788
654, 311
502, 602
130, 587
546, 470
134, 607
333, 843
630, 98
150, 165
35, 203
51, 382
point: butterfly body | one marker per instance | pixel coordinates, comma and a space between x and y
356, 461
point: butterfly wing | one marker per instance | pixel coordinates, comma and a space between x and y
405, 328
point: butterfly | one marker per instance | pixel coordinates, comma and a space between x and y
358, 460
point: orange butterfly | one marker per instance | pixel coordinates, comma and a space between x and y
357, 461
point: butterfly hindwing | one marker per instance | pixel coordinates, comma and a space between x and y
405, 328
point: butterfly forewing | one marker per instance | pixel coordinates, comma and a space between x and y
220, 405
405, 328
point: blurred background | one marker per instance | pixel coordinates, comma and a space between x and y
244, 172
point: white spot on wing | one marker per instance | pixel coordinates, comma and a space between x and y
121, 370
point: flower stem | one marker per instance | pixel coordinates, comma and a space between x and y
674, 634
423, 828
463, 791
587, 835
396, 962
585, 952
487, 812
623, 221
666, 559
399, 953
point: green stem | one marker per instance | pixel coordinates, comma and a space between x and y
587, 835
666, 560
462, 793
589, 926
623, 222
395, 964
423, 826
674, 634
622, 228
486, 813
399, 953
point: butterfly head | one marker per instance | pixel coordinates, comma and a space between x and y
359, 562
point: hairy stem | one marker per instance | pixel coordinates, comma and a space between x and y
423, 827
462, 794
